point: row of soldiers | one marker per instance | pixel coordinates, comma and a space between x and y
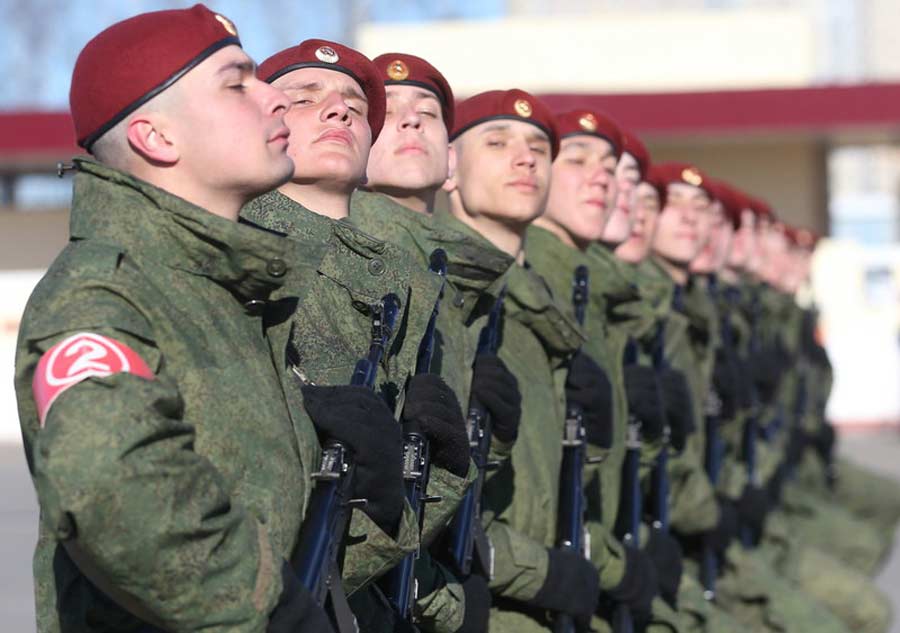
328, 351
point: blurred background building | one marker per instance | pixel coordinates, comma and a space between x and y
796, 100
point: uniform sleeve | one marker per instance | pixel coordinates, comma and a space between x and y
607, 554
693, 506
144, 516
520, 563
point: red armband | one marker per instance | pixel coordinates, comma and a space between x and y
77, 358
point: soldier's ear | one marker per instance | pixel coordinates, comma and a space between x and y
148, 137
451, 162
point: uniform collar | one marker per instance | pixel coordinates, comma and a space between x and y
153, 224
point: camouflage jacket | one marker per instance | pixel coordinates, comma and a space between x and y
171, 477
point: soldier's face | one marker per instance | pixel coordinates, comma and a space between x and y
645, 215
744, 242
230, 128
411, 153
618, 227
712, 255
582, 187
503, 171
330, 134
683, 226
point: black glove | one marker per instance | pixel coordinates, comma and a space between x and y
432, 407
745, 384
726, 381
638, 586
752, 508
665, 553
497, 390
775, 485
679, 406
478, 605
824, 442
726, 529
296, 610
766, 372
645, 400
572, 585
588, 386
358, 418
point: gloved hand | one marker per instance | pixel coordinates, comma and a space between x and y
645, 400
478, 605
638, 586
497, 390
588, 386
679, 406
726, 381
358, 418
745, 384
665, 553
296, 610
752, 508
726, 529
432, 407
824, 442
572, 585
766, 373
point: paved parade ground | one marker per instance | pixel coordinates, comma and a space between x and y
18, 521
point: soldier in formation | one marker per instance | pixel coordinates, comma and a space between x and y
329, 351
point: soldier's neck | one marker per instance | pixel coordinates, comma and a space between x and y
332, 202
563, 235
421, 201
729, 275
508, 238
225, 204
678, 272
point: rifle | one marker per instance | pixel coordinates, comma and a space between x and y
709, 563
466, 537
659, 477
570, 530
751, 426
628, 521
399, 584
319, 555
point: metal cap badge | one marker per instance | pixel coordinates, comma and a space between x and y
397, 70
692, 177
327, 54
523, 108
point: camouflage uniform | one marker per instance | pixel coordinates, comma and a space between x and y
181, 496
474, 267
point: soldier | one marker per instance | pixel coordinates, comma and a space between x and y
338, 108
582, 201
158, 459
406, 170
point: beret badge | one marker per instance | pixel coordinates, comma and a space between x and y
228, 24
397, 70
523, 108
692, 177
327, 54
588, 122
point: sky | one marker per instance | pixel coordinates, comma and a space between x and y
42, 38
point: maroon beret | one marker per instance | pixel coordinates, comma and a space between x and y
683, 173
590, 123
729, 198
514, 104
631, 144
761, 209
408, 70
656, 180
132, 61
332, 56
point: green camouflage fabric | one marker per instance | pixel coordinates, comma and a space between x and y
845, 592
170, 501
474, 268
520, 500
693, 508
331, 330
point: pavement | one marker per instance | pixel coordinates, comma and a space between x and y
880, 450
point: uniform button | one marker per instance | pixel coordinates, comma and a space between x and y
458, 300
254, 307
276, 267
376, 266
65, 529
